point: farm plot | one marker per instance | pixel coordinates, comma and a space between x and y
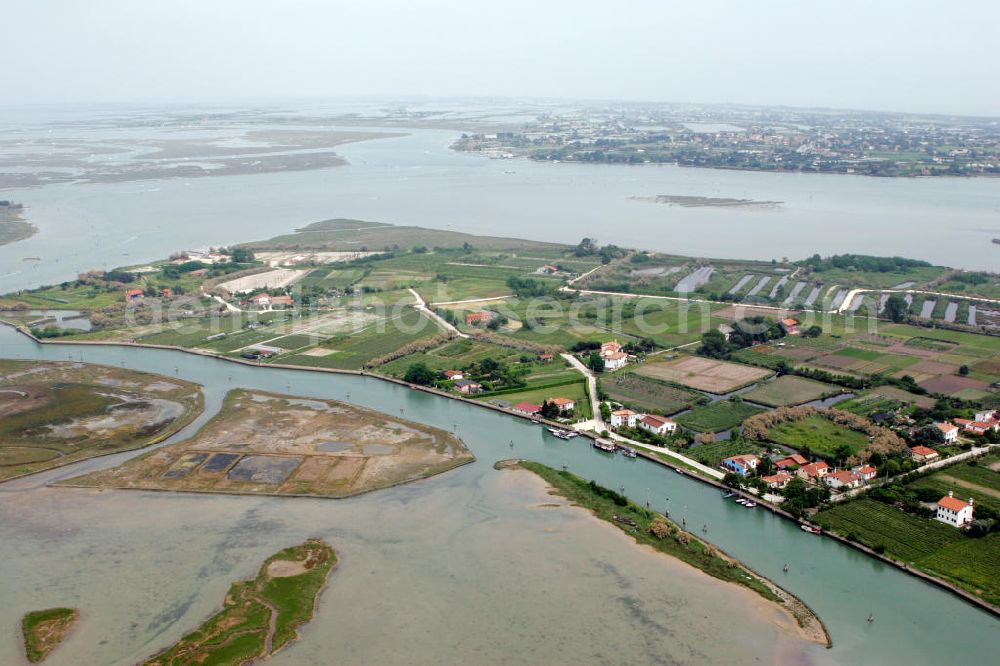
907, 537
704, 374
715, 452
789, 390
646, 394
718, 416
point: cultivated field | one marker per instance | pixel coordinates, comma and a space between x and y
52, 414
789, 390
705, 374
647, 394
718, 416
262, 443
938, 549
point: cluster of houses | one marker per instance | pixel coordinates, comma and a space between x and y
980, 425
461, 384
134, 295
796, 466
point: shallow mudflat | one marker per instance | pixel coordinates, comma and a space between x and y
264, 443
56, 413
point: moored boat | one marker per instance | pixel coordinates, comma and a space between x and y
811, 529
604, 445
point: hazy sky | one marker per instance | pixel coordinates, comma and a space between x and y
919, 55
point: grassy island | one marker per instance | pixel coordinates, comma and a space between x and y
44, 630
652, 529
52, 414
259, 616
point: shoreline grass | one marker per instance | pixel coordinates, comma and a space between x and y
259, 616
652, 529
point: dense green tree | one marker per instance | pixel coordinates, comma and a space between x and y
419, 373
896, 308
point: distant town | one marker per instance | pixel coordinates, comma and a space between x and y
749, 138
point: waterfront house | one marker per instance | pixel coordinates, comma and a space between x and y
564, 404
923, 453
467, 386
777, 481
454, 374
527, 408
793, 461
473, 318
948, 430
953, 511
813, 471
624, 418
744, 465
657, 425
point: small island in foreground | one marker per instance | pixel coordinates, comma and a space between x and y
650, 528
44, 630
259, 616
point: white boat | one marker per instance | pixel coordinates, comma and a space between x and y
740, 500
751, 504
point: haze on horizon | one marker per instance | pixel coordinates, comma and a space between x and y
893, 55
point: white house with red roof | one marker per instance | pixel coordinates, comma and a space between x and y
775, 481
953, 511
866, 472
791, 326
624, 418
948, 430
813, 471
262, 299
657, 425
454, 374
921, 453
842, 479
615, 361
564, 404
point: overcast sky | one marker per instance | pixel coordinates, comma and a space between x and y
907, 55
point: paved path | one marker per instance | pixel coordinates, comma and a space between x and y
595, 405
474, 300
598, 425
937, 464
421, 306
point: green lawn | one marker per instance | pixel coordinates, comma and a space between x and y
820, 435
717, 417
576, 391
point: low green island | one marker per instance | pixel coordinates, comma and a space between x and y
44, 630
259, 616
650, 528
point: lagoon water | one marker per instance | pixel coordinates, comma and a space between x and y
417, 180
465, 567
461, 568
